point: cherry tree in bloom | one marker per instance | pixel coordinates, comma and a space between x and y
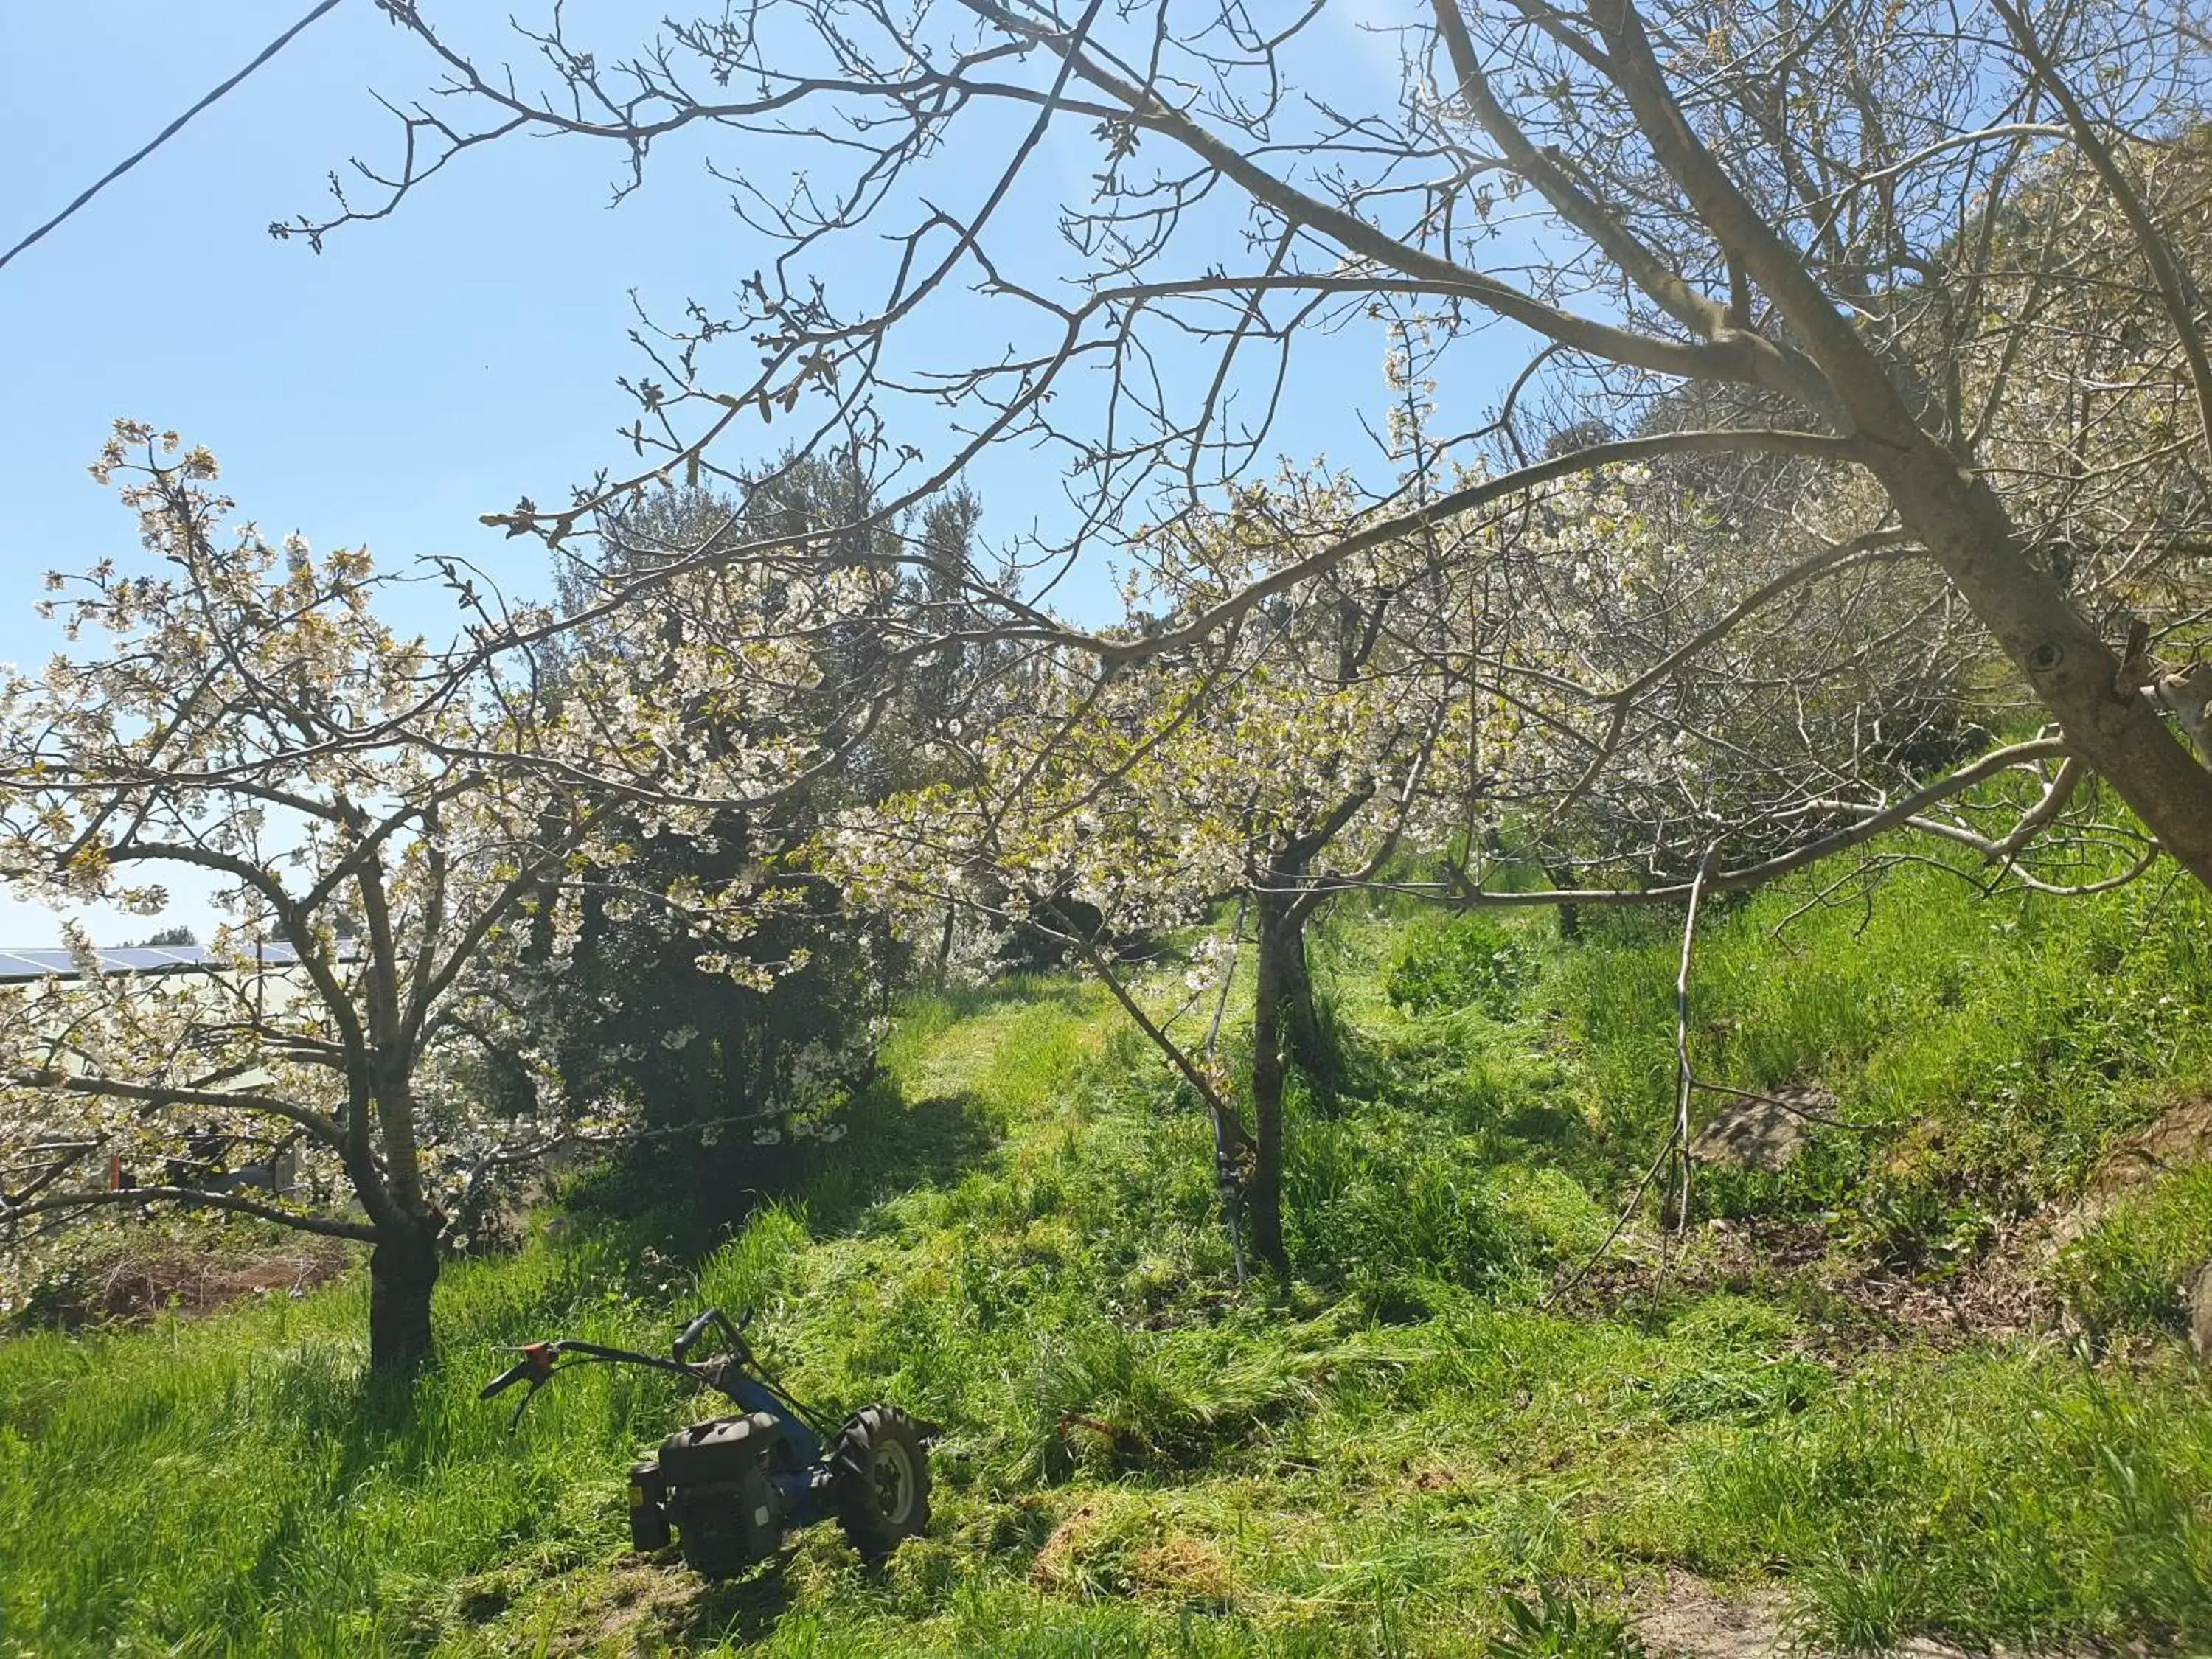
1931, 271
399, 841
1266, 764
1537, 685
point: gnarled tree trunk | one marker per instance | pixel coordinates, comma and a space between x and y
402, 1270
2074, 672
1281, 968
1287, 1030
1939, 496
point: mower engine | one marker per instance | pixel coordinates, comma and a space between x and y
729, 1488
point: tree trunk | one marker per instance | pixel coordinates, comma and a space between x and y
1563, 876
2073, 670
402, 1266
1939, 497
1307, 1044
1281, 962
945, 947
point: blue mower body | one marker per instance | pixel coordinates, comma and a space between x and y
729, 1488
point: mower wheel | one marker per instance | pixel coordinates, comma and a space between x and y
881, 1485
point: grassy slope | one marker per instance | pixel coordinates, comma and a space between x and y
1018, 1243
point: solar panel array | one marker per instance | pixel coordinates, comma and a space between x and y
15, 966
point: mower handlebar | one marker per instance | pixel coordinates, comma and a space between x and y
536, 1365
505, 1380
697, 1328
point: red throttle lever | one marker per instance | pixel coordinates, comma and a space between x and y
534, 1367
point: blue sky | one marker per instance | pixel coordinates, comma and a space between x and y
384, 392
414, 374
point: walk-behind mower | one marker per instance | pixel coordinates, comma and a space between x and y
730, 1487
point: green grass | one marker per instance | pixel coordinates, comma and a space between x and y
1018, 1241
2128, 1273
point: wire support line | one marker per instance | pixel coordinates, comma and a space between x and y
166, 134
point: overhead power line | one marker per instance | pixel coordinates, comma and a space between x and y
168, 132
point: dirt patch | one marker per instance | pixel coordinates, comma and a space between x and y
2183, 1136
1685, 1618
163, 1277
639, 1597
1850, 1302
1996, 1299
1853, 1302
2180, 1138
1764, 1134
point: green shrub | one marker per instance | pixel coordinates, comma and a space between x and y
1466, 961
1560, 1628
1383, 1203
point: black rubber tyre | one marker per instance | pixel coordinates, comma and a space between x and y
881, 1486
